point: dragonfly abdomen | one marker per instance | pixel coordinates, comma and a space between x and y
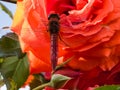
54, 50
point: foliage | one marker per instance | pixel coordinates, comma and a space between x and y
9, 46
10, 1
6, 10
109, 87
14, 65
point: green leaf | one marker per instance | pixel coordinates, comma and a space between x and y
1, 83
6, 10
15, 69
38, 80
58, 80
109, 87
1, 60
13, 85
1, 80
35, 82
10, 1
21, 72
8, 66
7, 69
12, 36
9, 46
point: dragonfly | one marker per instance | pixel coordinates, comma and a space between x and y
53, 29
52, 25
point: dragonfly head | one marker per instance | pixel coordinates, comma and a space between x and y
53, 16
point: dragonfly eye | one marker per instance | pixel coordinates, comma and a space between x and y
53, 16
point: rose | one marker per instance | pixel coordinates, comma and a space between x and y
93, 34
89, 32
93, 29
90, 28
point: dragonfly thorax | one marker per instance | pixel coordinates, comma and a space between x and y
53, 23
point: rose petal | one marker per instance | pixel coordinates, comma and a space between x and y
37, 65
18, 18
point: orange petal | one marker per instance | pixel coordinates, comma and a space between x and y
37, 65
18, 18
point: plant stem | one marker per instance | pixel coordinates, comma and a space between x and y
42, 86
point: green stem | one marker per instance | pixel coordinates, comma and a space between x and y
42, 86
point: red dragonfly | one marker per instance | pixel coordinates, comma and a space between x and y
53, 25
53, 28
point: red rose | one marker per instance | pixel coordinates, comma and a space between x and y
90, 28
